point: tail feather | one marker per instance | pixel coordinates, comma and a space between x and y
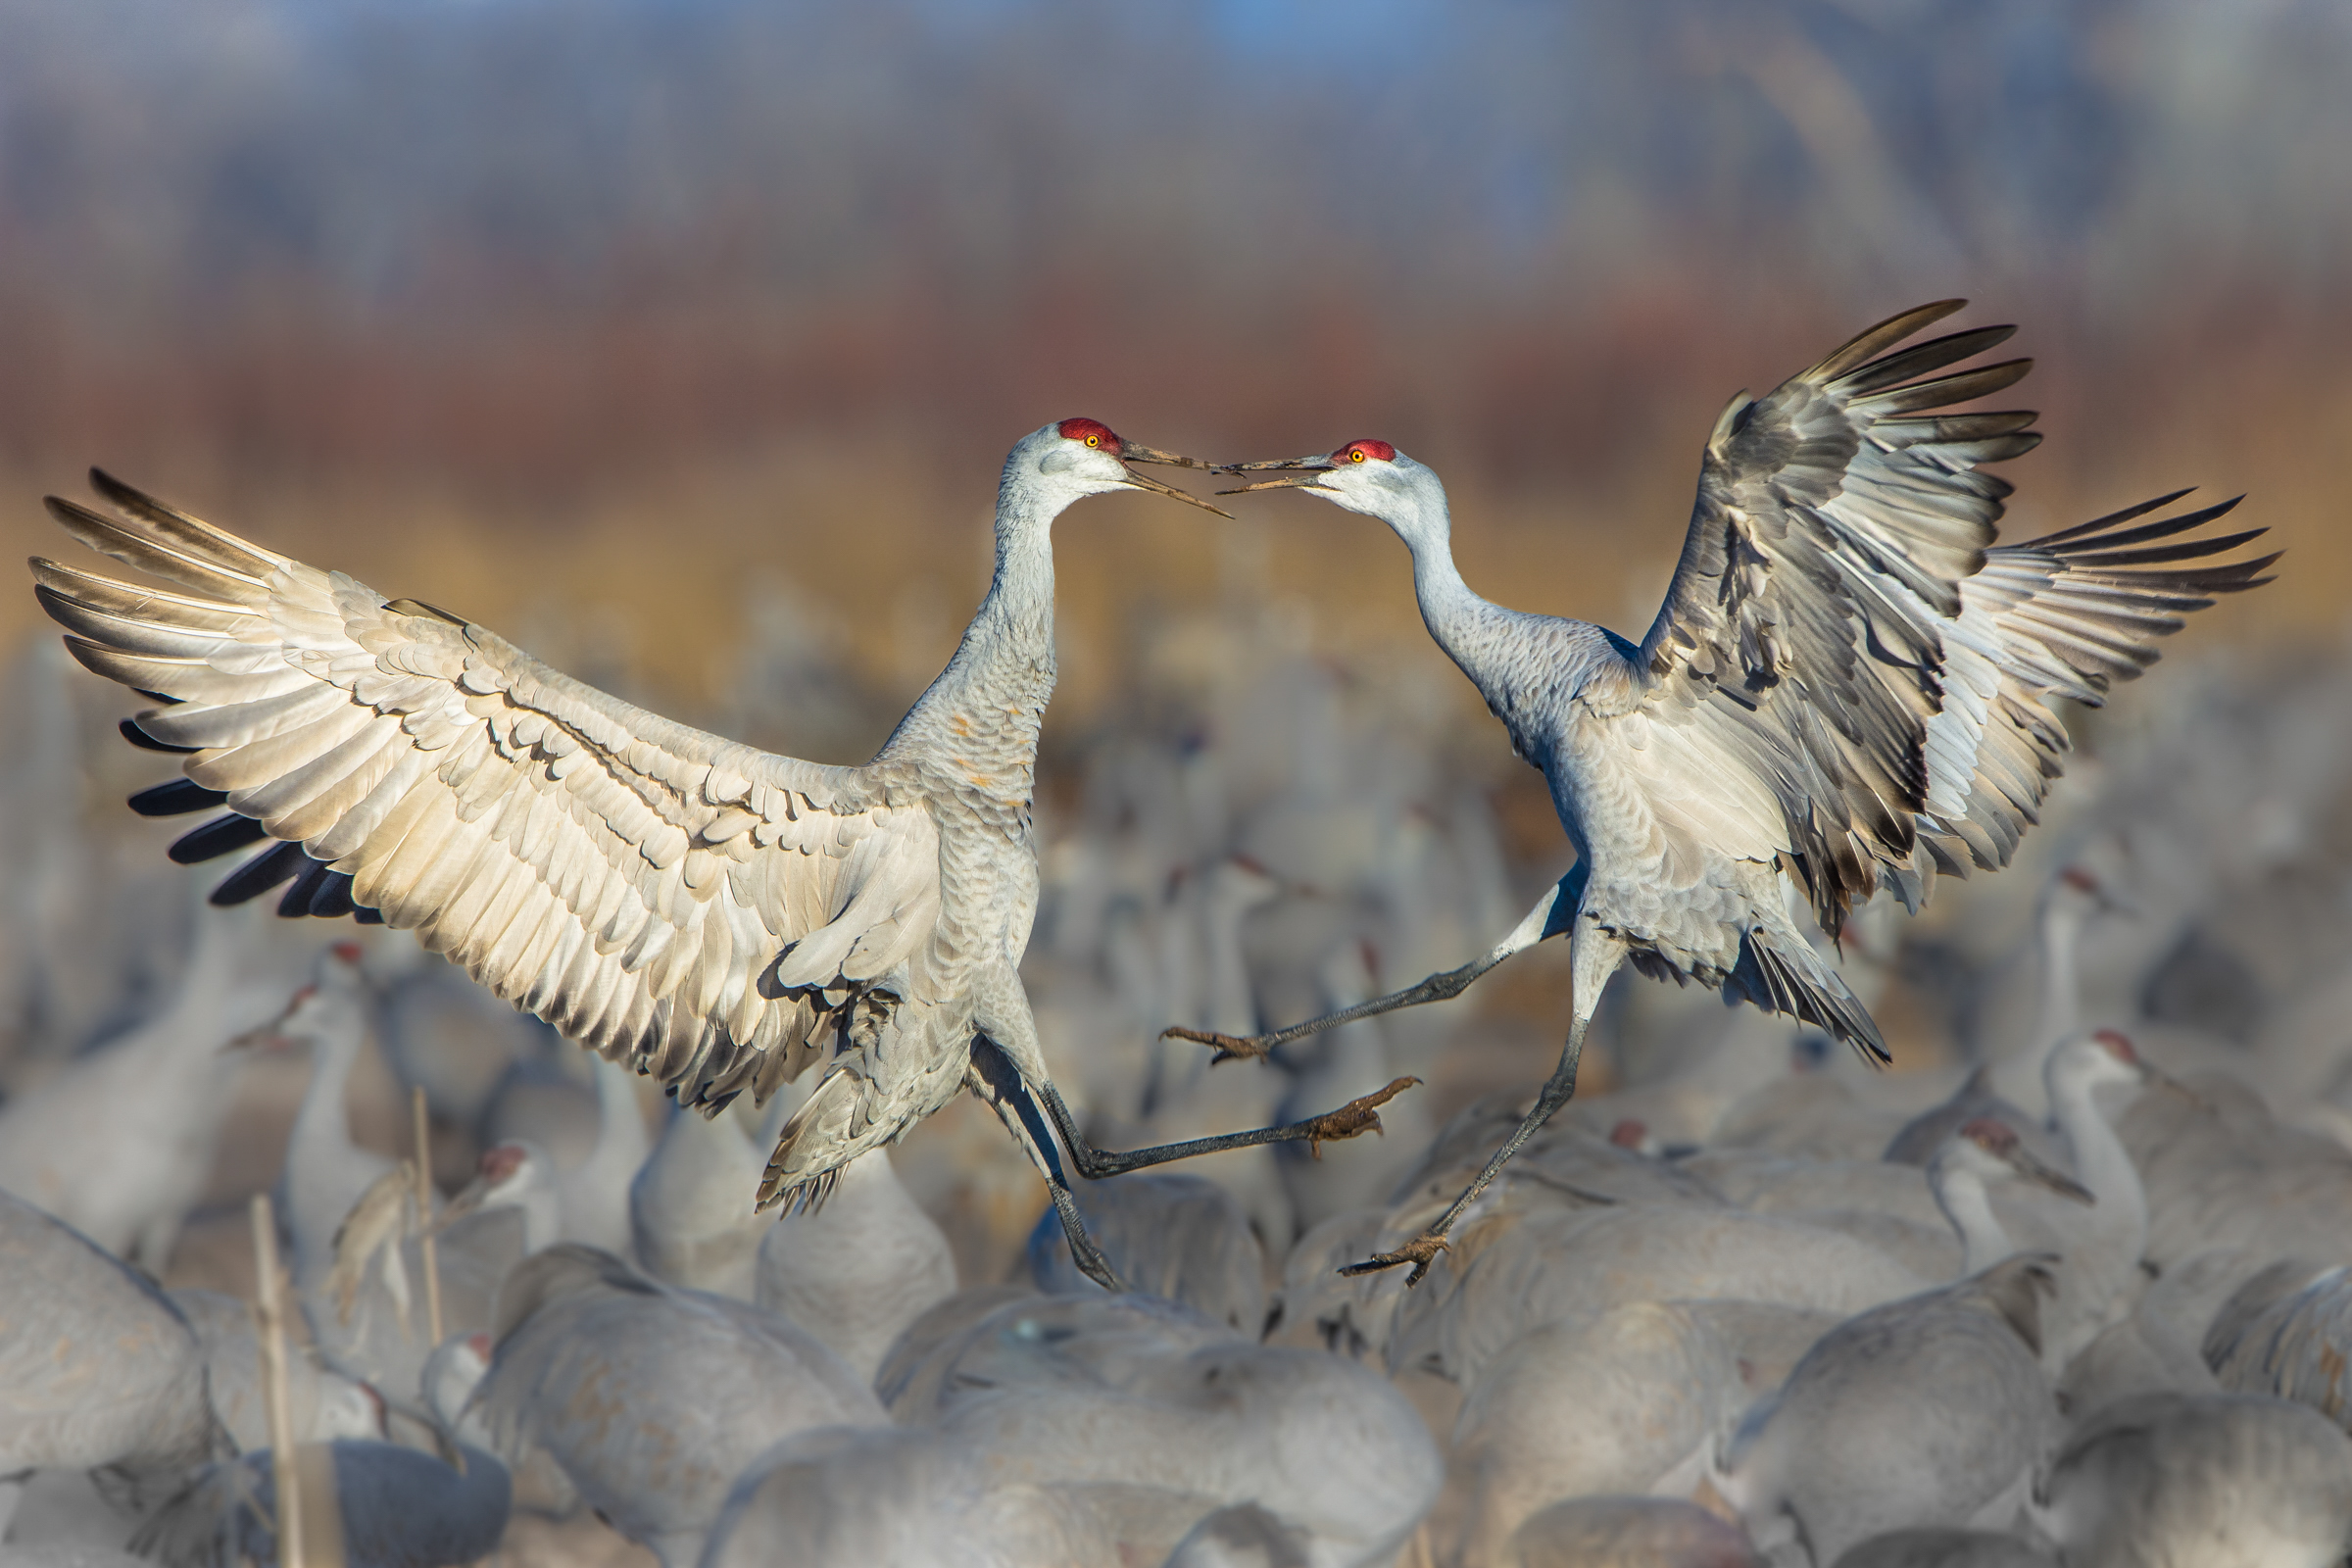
1780, 972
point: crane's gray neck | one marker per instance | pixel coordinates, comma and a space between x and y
1453, 614
2101, 1162
1961, 1194
1003, 674
2061, 995
322, 1121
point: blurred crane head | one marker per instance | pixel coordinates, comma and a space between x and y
1076, 457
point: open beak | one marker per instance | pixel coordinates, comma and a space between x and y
1303, 474
2034, 1168
1131, 453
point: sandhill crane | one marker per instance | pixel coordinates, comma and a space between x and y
1179, 1236
1926, 1412
857, 1272
2285, 1332
2200, 1480
322, 1404
118, 1143
518, 1176
1845, 690
395, 1507
716, 916
1945, 1548
97, 1367
325, 1172
1981, 1150
1654, 1532
1615, 1404
596, 1192
651, 1400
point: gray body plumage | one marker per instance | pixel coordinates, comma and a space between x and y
651, 1400
97, 1367
397, 1507
1925, 1412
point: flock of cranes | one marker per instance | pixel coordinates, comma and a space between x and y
1716, 1314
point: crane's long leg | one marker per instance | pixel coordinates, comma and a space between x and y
1595, 957
995, 1079
1549, 918
1357, 1116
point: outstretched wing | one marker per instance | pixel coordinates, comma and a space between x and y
681, 903
1835, 523
2063, 616
1841, 623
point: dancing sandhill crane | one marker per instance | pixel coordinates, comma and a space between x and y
1846, 689
720, 917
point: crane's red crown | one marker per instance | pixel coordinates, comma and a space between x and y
2118, 1044
1990, 1133
1094, 432
1364, 452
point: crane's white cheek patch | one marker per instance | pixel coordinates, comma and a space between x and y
1060, 459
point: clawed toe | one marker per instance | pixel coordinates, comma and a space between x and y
1421, 1252
1357, 1116
1230, 1048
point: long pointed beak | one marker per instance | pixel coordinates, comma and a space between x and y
2034, 1168
1302, 474
1144, 481
1288, 481
1132, 453
1136, 452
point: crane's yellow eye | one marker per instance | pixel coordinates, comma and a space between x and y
1093, 440
1357, 455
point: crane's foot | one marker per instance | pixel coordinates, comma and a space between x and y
1230, 1048
1353, 1119
1421, 1252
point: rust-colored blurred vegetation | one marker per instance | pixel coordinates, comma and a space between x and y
619, 314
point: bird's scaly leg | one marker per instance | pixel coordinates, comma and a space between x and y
1357, 1116
1596, 954
1549, 918
992, 1075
